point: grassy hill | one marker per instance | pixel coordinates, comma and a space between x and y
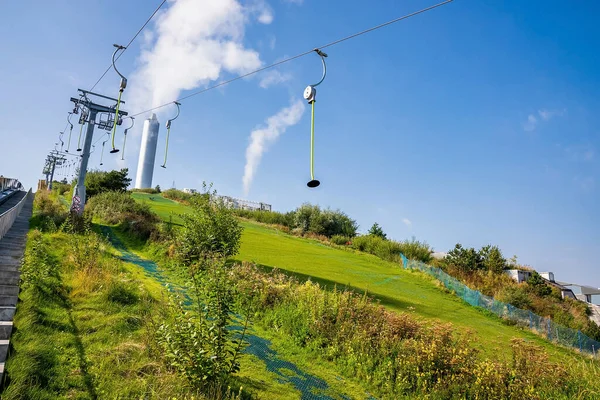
395, 288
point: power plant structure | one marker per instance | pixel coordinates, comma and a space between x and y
145, 168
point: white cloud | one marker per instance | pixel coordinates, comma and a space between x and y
548, 114
263, 11
407, 222
262, 137
191, 46
543, 114
273, 77
531, 123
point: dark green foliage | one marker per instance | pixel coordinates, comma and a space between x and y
157, 189
538, 285
268, 217
61, 187
48, 214
97, 182
376, 230
390, 250
465, 259
210, 229
492, 259
516, 296
120, 208
340, 240
306, 219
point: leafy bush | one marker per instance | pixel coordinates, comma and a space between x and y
146, 190
61, 187
416, 250
97, 182
390, 250
209, 229
515, 295
538, 285
121, 208
48, 213
177, 195
340, 240
397, 355
267, 217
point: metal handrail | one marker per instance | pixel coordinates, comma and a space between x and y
8, 218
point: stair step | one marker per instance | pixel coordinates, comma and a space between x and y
3, 350
5, 329
9, 290
7, 313
10, 277
8, 300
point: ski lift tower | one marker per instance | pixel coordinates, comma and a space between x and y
107, 113
53, 160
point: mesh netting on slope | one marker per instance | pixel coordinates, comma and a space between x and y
553, 331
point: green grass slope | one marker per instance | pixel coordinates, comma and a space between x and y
397, 289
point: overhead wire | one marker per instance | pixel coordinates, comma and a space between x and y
128, 44
286, 60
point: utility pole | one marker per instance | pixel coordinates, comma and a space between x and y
78, 200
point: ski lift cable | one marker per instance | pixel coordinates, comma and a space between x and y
128, 44
335, 42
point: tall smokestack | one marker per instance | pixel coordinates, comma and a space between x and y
145, 168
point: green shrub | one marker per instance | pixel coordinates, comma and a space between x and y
340, 240
209, 229
515, 295
122, 209
416, 250
146, 190
61, 188
267, 217
397, 355
177, 195
48, 213
390, 250
97, 182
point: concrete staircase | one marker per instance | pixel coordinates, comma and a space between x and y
12, 248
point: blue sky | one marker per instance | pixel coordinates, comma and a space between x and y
474, 123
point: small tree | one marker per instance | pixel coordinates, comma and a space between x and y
466, 260
157, 188
377, 231
210, 230
101, 181
492, 259
538, 285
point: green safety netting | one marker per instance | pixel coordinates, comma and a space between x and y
551, 330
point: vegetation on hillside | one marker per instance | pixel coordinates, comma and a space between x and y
398, 355
483, 270
80, 326
97, 181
